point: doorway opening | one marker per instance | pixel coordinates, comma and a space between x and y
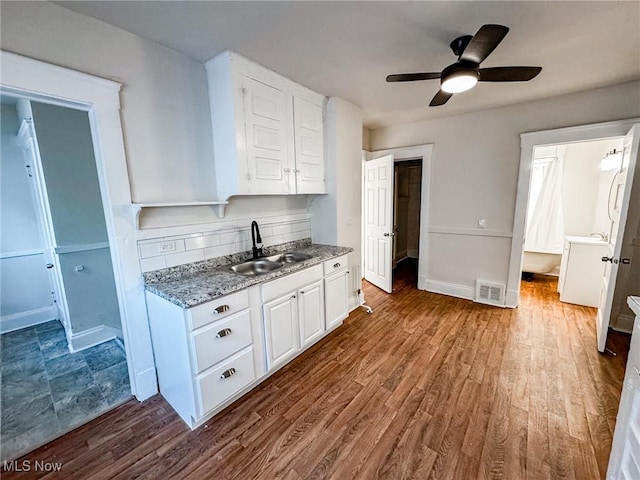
622, 219
395, 214
63, 358
570, 215
406, 218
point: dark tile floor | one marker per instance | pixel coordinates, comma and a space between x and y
46, 391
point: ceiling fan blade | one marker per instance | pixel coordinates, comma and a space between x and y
508, 74
412, 77
484, 42
440, 98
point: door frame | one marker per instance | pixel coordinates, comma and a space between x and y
24, 77
402, 154
529, 140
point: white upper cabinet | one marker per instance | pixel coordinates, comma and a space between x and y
309, 146
268, 156
268, 131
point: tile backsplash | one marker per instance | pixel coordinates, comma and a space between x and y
163, 252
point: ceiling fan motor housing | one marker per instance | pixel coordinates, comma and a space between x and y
459, 69
459, 44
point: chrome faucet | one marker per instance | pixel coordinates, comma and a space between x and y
255, 239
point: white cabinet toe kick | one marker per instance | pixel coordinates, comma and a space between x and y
210, 355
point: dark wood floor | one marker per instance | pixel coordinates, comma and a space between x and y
428, 386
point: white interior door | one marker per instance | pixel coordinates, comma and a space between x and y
378, 214
618, 208
33, 164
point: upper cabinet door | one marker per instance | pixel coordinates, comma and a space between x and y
309, 146
268, 157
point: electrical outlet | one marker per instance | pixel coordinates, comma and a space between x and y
482, 223
167, 247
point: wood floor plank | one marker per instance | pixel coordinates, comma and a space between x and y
428, 386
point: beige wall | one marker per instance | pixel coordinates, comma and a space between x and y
476, 158
336, 217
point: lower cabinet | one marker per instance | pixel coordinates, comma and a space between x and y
281, 329
296, 318
336, 298
210, 355
311, 313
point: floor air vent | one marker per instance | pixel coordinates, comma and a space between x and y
489, 293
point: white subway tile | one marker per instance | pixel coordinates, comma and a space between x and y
280, 229
152, 263
184, 257
290, 237
161, 248
233, 237
219, 251
182, 237
273, 240
202, 242
299, 226
266, 231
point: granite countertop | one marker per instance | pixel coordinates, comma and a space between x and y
195, 283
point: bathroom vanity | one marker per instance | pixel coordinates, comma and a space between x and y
581, 270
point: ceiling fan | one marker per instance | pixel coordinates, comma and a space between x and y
466, 72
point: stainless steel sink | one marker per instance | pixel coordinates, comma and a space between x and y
290, 257
257, 267
261, 266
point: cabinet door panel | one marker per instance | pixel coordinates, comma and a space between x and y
265, 110
281, 329
311, 312
309, 146
336, 298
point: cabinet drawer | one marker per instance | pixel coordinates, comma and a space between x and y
336, 264
212, 388
217, 309
217, 341
283, 285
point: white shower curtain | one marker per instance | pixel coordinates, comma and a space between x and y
545, 221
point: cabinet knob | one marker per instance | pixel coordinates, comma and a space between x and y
221, 309
336, 265
228, 373
223, 333
287, 170
293, 296
296, 170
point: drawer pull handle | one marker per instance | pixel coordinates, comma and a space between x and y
221, 309
228, 373
223, 333
336, 265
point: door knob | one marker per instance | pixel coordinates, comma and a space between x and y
607, 259
390, 234
49, 265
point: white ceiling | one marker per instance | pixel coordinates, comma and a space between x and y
346, 49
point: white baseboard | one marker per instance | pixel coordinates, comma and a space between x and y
146, 384
93, 336
19, 320
451, 289
354, 302
511, 299
624, 323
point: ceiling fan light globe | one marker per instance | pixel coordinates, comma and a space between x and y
459, 82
